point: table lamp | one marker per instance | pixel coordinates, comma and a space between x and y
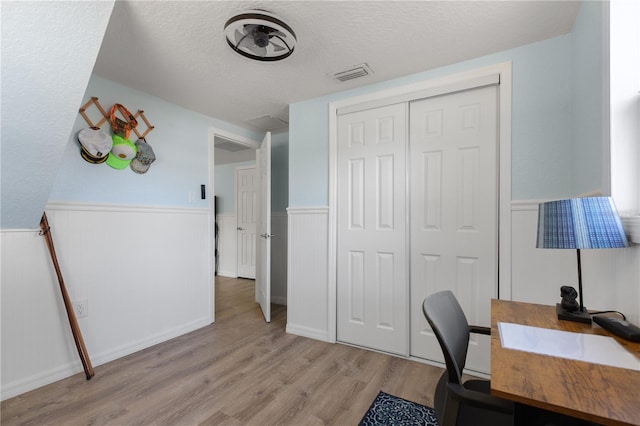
579, 223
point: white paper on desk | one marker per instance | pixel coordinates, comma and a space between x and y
565, 344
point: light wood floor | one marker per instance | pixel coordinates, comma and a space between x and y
238, 371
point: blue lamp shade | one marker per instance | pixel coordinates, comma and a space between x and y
580, 223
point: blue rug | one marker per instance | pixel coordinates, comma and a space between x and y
390, 410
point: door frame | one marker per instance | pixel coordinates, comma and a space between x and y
433, 87
242, 140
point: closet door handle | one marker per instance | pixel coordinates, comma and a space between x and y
240, 228
267, 236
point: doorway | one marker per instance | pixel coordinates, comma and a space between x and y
226, 151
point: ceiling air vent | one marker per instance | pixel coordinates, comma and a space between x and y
354, 72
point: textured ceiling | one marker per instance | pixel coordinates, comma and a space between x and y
176, 50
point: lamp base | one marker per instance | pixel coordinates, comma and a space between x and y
579, 316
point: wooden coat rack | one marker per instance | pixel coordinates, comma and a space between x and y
106, 119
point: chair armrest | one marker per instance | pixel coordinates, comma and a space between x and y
479, 399
478, 329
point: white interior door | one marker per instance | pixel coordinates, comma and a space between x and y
263, 225
247, 215
454, 212
372, 268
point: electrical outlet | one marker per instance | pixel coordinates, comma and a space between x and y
81, 307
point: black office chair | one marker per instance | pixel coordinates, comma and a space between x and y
457, 402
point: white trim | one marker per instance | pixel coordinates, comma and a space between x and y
504, 173
9, 231
228, 274
69, 369
450, 83
526, 205
332, 225
233, 137
242, 140
307, 210
309, 332
126, 208
606, 99
212, 225
422, 90
454, 82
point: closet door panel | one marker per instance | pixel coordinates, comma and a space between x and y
453, 151
372, 263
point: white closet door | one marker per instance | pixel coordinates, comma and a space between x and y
372, 267
246, 199
454, 212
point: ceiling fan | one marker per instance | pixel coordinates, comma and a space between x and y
260, 35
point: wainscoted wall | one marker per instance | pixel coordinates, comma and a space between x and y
155, 286
307, 292
227, 245
610, 277
279, 258
228, 252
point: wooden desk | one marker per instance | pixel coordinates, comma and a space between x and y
593, 392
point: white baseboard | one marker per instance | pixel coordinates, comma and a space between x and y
311, 333
150, 341
62, 372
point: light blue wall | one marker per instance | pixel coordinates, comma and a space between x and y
542, 119
280, 172
587, 78
225, 181
180, 143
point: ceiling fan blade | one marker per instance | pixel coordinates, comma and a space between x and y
257, 50
246, 43
239, 37
277, 47
279, 43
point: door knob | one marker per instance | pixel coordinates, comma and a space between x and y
240, 228
267, 236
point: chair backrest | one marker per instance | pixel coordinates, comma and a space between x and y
448, 322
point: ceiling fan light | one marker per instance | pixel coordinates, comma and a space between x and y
260, 35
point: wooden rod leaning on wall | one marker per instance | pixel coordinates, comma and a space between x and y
75, 328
